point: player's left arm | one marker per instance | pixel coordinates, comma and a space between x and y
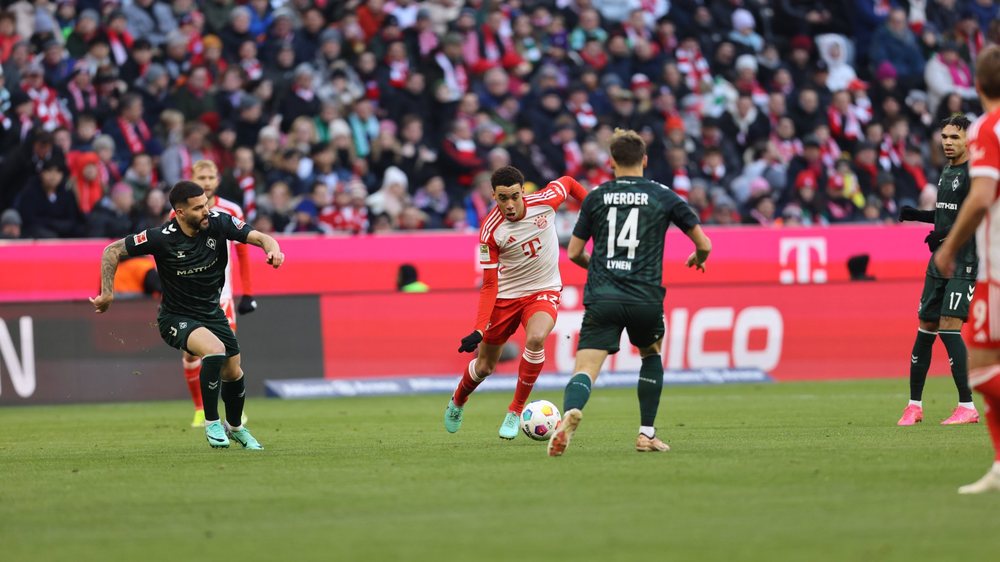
113, 254
270, 246
979, 199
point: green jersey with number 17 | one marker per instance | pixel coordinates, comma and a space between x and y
628, 218
953, 187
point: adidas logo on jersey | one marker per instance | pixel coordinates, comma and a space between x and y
511, 240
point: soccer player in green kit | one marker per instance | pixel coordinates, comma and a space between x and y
627, 219
191, 257
944, 303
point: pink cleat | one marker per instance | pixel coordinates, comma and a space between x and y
912, 415
962, 415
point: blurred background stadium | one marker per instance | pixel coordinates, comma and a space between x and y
362, 133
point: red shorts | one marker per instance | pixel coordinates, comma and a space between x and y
227, 306
509, 313
982, 329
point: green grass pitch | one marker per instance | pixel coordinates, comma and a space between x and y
804, 471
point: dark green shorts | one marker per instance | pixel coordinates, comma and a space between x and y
175, 329
945, 297
603, 324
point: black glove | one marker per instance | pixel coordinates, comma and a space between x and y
934, 239
470, 342
908, 213
247, 305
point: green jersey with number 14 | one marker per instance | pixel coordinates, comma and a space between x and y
628, 219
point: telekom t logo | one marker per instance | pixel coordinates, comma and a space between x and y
531, 247
797, 265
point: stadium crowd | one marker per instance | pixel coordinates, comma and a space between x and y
360, 116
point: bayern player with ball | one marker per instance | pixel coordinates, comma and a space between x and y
519, 253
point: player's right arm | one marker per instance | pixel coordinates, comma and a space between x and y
489, 260
908, 213
113, 253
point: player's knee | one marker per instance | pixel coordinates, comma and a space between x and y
230, 374
214, 348
535, 342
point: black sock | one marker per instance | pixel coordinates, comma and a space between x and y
920, 362
234, 395
959, 363
649, 388
211, 366
577, 392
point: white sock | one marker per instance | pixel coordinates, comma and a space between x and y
648, 431
235, 428
969, 405
917, 403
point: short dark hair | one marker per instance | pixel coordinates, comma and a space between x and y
988, 71
508, 175
957, 120
627, 148
184, 190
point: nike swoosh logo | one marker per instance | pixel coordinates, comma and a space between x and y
216, 439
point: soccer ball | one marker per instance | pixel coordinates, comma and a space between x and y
539, 419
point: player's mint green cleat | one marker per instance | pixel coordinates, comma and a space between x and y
508, 429
216, 435
243, 437
452, 417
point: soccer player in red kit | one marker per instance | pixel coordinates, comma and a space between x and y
982, 332
206, 175
519, 253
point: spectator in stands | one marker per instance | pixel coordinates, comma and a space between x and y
947, 73
48, 209
896, 43
114, 216
10, 224
150, 19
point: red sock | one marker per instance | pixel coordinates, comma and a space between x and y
990, 390
192, 374
527, 374
467, 385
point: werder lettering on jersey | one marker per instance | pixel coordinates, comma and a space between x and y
626, 198
627, 219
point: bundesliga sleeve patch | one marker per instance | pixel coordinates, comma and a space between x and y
238, 223
139, 238
484, 252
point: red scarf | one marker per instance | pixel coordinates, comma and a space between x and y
47, 107
248, 185
694, 68
78, 102
846, 126
187, 170
136, 136
399, 71
585, 115
253, 68
121, 44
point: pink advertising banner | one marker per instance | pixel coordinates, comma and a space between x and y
61, 270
